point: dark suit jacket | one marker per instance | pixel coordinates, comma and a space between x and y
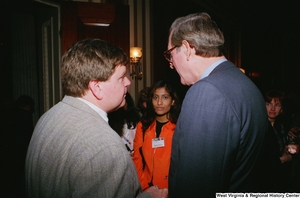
219, 136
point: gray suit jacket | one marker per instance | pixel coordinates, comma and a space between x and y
74, 153
219, 136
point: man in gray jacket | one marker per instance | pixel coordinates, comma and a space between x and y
73, 151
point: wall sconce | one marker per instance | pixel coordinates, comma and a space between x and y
136, 70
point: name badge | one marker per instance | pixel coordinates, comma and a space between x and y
158, 142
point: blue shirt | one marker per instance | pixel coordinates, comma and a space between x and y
212, 67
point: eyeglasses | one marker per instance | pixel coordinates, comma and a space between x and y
168, 55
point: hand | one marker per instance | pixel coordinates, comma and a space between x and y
286, 156
157, 193
293, 148
293, 132
164, 192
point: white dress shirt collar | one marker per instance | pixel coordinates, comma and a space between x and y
102, 113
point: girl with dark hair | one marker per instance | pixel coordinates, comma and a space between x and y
124, 121
154, 133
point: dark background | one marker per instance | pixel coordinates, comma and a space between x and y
269, 38
269, 32
263, 37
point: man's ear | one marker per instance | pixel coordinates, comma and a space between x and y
187, 48
95, 87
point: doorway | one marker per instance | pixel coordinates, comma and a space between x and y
31, 49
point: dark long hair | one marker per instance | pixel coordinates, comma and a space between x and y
127, 114
143, 98
150, 114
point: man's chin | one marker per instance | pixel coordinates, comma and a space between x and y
122, 104
118, 107
184, 82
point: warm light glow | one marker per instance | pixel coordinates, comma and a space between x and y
254, 74
97, 24
243, 70
136, 52
136, 68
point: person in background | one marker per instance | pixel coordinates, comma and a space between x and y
285, 147
274, 104
16, 129
223, 123
154, 133
73, 151
294, 133
294, 109
124, 121
143, 100
21, 121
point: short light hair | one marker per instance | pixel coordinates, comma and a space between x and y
90, 59
201, 32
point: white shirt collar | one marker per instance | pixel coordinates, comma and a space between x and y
102, 113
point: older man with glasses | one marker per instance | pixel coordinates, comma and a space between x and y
219, 137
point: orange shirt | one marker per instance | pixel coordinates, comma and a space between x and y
157, 160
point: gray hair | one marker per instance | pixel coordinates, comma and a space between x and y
201, 32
